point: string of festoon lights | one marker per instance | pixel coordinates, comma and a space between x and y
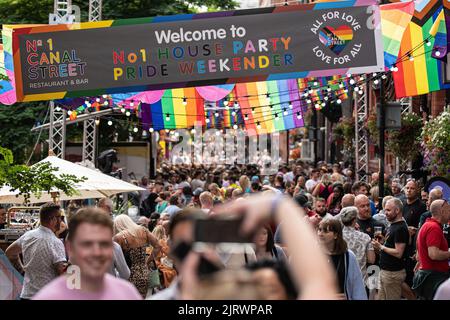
309, 97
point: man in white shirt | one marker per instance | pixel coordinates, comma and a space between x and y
313, 181
44, 256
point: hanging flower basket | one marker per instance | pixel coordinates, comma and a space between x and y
405, 142
436, 145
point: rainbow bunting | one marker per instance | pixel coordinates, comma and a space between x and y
423, 74
270, 106
171, 112
395, 17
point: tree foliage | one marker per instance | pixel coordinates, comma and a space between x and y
33, 180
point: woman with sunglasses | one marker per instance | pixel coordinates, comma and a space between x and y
349, 278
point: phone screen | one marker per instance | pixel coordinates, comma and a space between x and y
220, 231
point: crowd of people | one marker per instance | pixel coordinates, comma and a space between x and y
317, 234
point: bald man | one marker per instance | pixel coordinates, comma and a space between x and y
435, 194
365, 220
348, 200
432, 250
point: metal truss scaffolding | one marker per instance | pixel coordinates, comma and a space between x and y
362, 145
57, 134
90, 125
95, 10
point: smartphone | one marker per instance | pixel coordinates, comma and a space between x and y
217, 230
205, 267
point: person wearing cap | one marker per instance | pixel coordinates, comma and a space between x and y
357, 241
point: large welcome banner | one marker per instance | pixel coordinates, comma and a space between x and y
53, 62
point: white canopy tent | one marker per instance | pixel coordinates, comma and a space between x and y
97, 184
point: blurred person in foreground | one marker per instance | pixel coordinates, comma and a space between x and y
309, 267
90, 249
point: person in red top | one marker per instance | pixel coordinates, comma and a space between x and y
432, 251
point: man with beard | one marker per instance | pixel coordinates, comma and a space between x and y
320, 207
365, 220
392, 253
90, 248
44, 257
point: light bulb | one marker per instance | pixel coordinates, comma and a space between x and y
285, 112
299, 116
128, 113
98, 99
167, 130
276, 116
216, 114
341, 85
352, 81
308, 101
105, 103
131, 104
235, 127
437, 53
105, 96
383, 77
345, 90
69, 112
323, 104
338, 101
58, 108
325, 98
151, 129
361, 92
395, 69
88, 105
217, 133
258, 125
86, 102
374, 74
207, 120
225, 102
144, 133
428, 43
317, 106
233, 113
236, 104
376, 81
167, 117
135, 129
97, 122
122, 110
316, 83
290, 105
193, 131
110, 123
328, 89
184, 101
411, 58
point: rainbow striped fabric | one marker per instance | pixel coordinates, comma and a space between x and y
7, 88
439, 32
395, 18
171, 112
336, 39
424, 73
270, 106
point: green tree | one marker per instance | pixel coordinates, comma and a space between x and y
33, 180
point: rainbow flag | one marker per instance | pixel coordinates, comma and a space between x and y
439, 32
7, 88
424, 73
395, 17
270, 106
174, 112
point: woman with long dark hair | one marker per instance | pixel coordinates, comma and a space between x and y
348, 274
334, 200
266, 247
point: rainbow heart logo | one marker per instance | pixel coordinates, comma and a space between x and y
336, 39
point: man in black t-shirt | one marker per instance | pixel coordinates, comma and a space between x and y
365, 221
392, 253
413, 208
